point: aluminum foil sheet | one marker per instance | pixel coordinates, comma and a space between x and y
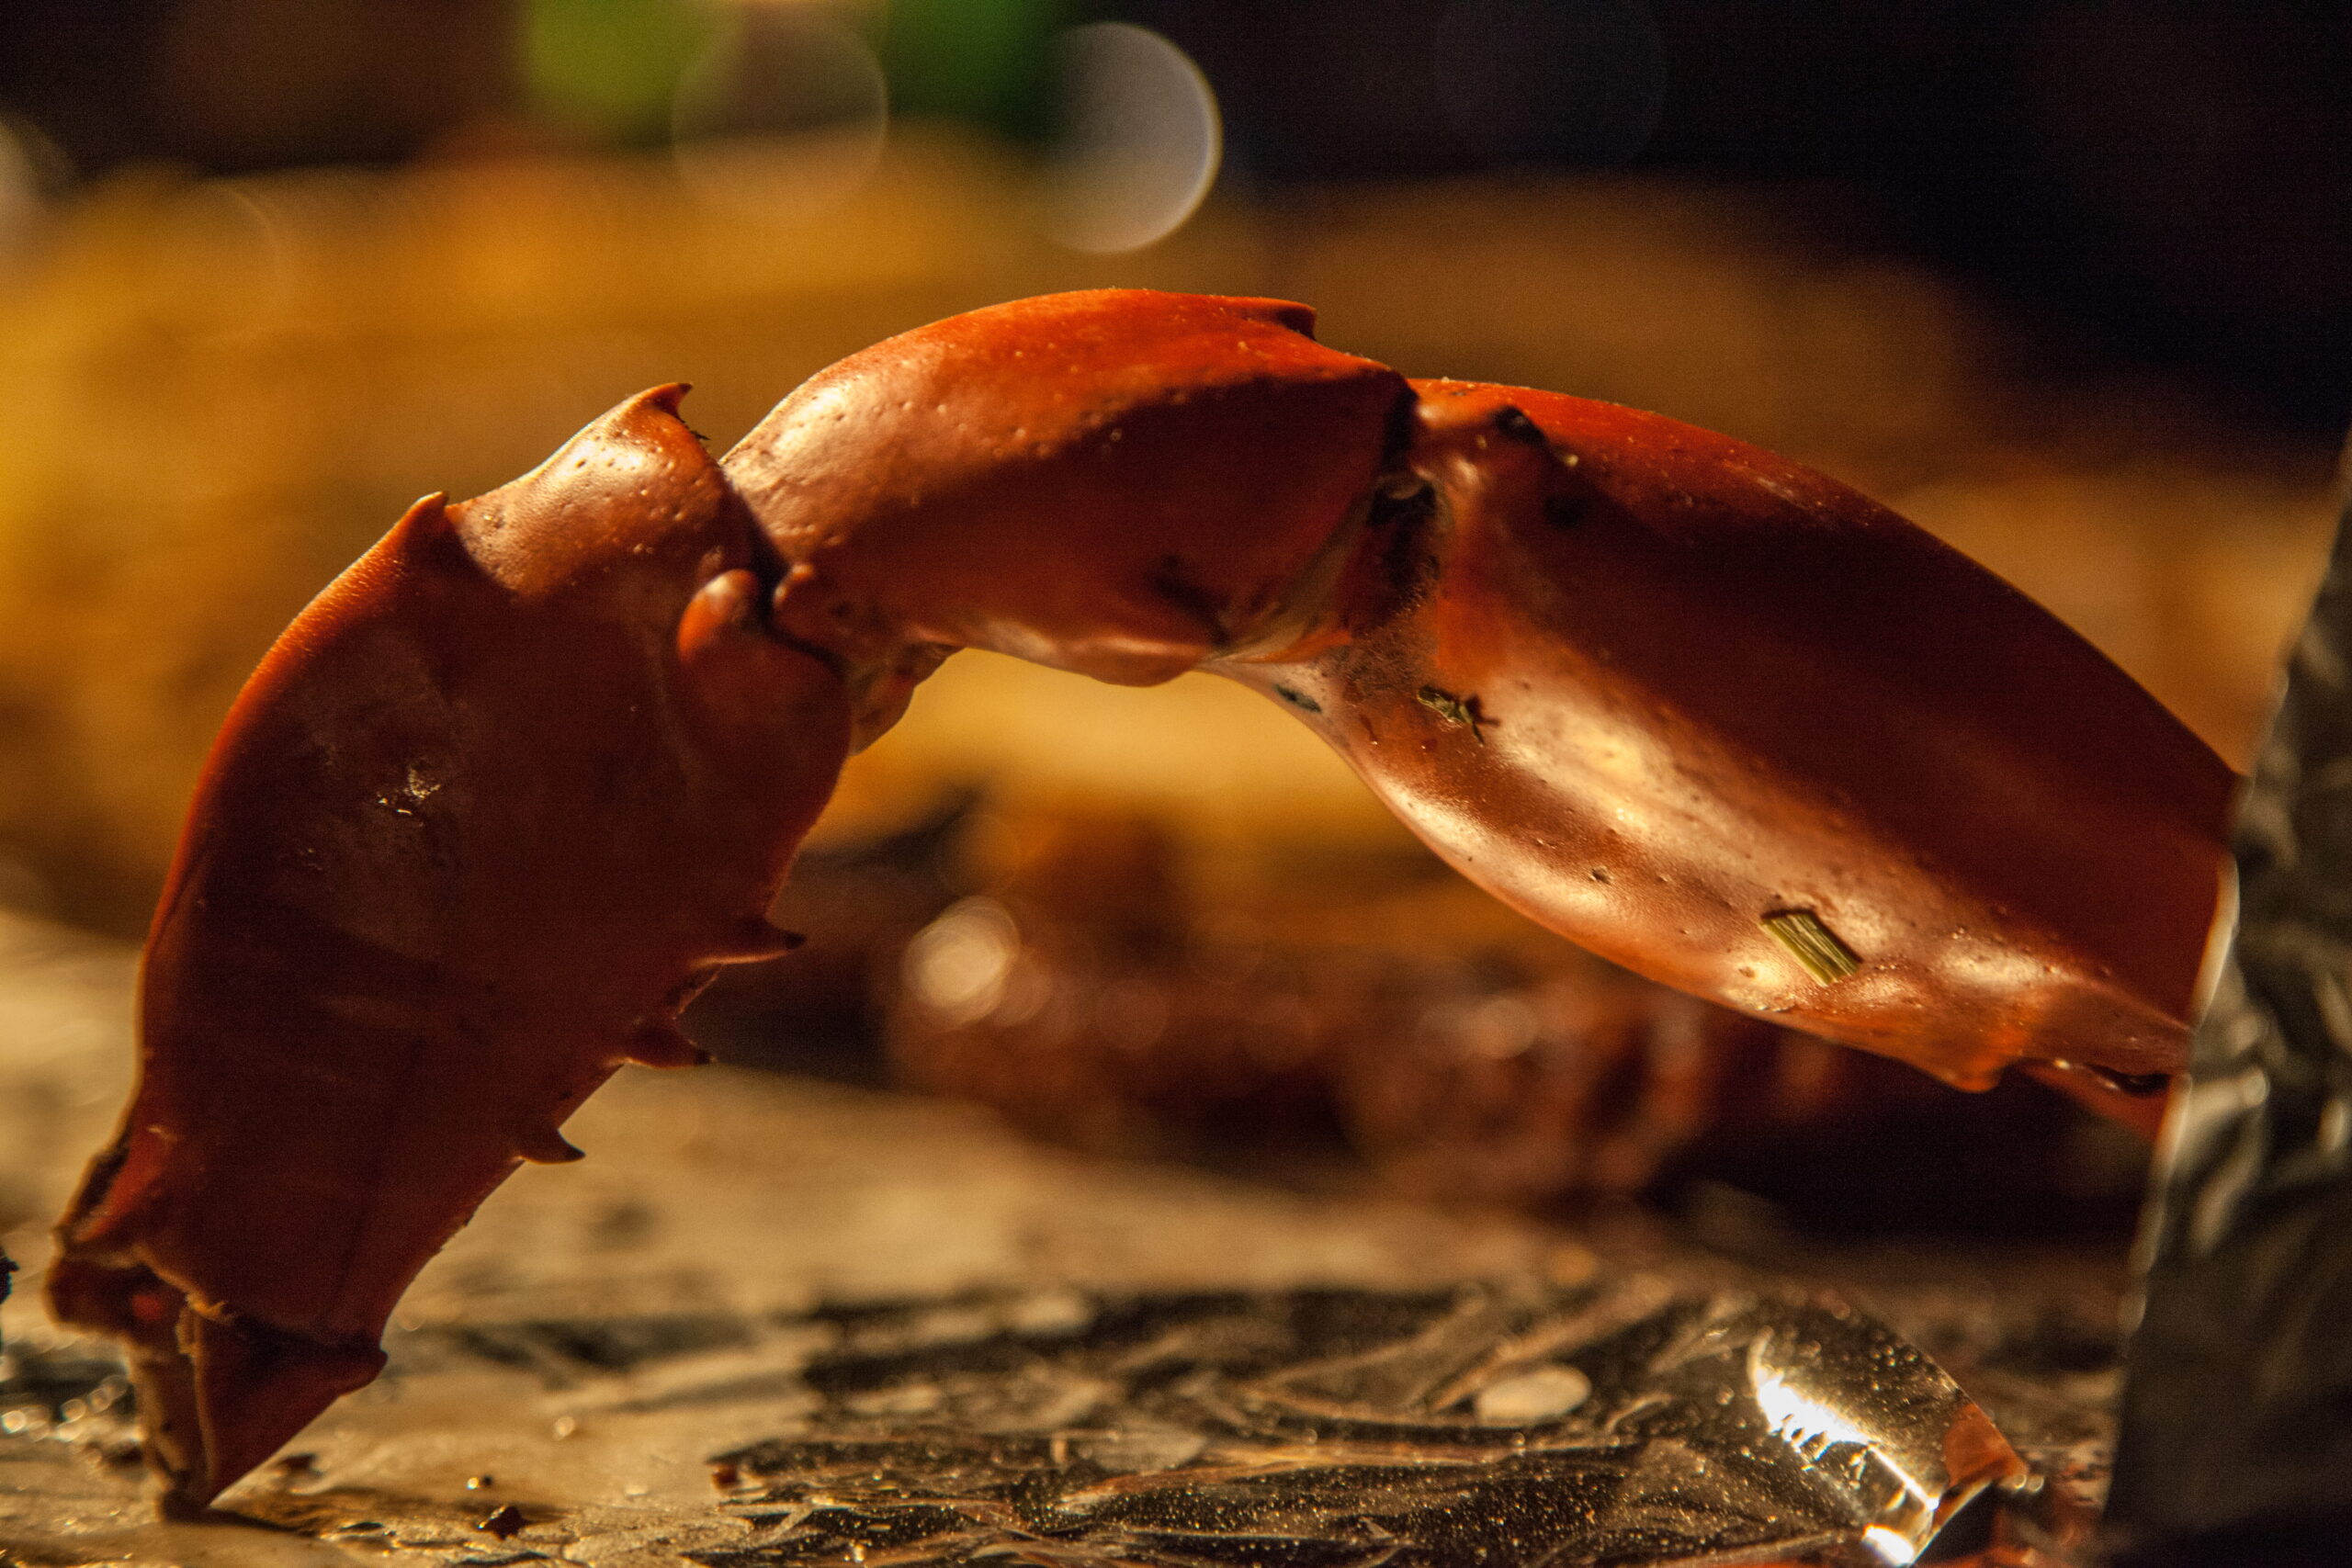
774, 1322
1623, 1426
1627, 1422
2237, 1411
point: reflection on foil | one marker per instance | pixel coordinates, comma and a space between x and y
2235, 1414
1621, 1424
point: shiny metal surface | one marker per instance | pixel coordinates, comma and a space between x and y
2235, 1407
1624, 1423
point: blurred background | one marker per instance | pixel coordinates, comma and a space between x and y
2064, 280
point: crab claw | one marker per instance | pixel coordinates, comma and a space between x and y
497, 803
1701, 709
488, 814
1118, 482
1736, 727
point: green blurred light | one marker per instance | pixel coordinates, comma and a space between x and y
610, 68
983, 61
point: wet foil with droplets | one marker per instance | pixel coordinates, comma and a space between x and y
1621, 1425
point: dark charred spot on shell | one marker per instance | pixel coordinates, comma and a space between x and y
1402, 497
2140, 1085
1407, 565
1402, 422
1173, 582
1298, 699
1511, 421
1566, 508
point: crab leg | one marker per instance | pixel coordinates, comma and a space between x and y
486, 817
500, 800
1696, 708
1738, 729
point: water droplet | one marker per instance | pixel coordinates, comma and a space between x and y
1539, 1394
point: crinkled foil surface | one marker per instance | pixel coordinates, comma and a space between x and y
1620, 1425
2238, 1406
1623, 1423
773, 1322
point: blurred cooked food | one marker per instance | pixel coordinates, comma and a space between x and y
1462, 1049
1098, 991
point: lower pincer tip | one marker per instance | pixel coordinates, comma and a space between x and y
229, 1394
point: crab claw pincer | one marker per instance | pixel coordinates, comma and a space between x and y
505, 794
490, 812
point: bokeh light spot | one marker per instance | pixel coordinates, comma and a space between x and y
785, 112
609, 68
1141, 139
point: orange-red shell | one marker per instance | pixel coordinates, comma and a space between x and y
499, 799
478, 825
1653, 685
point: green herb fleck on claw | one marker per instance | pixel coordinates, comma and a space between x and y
1812, 944
1456, 710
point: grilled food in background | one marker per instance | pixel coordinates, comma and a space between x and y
1102, 981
